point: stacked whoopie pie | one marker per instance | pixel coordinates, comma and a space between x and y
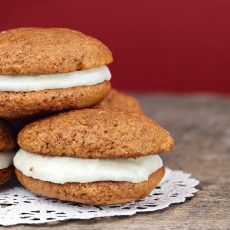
49, 70
103, 150
7, 151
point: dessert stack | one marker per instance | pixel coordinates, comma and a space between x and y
79, 140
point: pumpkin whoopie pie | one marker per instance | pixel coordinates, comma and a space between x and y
7, 151
92, 156
121, 101
51, 69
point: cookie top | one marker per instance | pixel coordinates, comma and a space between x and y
49, 50
95, 133
7, 137
121, 101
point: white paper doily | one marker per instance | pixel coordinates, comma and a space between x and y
19, 206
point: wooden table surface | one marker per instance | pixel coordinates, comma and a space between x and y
201, 127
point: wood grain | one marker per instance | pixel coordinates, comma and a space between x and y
201, 127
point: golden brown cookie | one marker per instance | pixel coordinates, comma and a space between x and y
49, 50
121, 101
6, 174
95, 193
95, 133
24, 104
27, 53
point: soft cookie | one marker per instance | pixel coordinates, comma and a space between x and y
43, 70
92, 156
7, 150
121, 101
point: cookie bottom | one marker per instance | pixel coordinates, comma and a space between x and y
6, 174
23, 104
95, 193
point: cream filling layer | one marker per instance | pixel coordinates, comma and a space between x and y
26, 83
61, 170
6, 159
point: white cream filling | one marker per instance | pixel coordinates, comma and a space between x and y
26, 83
6, 159
61, 170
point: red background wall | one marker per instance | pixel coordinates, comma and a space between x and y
179, 45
